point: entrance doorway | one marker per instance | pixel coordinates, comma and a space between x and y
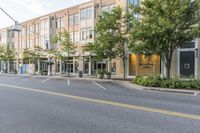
100, 66
187, 64
67, 66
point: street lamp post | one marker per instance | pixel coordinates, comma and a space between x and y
16, 26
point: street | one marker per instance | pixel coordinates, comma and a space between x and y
47, 105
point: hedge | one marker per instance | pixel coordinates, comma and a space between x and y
156, 81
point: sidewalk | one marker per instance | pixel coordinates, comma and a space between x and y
127, 83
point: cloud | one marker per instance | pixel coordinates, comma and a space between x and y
33, 5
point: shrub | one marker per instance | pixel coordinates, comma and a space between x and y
156, 81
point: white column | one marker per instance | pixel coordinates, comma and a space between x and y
1, 67
109, 66
38, 65
90, 66
17, 65
74, 70
49, 66
60, 67
8, 66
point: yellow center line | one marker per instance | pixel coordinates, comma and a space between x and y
122, 105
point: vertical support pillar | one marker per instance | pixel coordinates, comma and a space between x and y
81, 64
8, 62
38, 65
109, 66
74, 64
60, 67
90, 66
17, 65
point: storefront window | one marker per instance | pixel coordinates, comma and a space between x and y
114, 68
58, 66
141, 65
67, 66
86, 65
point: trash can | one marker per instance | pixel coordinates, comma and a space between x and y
80, 74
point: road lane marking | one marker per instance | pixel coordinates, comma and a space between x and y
46, 80
122, 105
99, 85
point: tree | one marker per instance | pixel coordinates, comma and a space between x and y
32, 56
165, 26
111, 36
1, 52
67, 47
7, 55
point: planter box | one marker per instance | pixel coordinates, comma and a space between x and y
108, 76
100, 76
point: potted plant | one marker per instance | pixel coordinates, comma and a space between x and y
100, 74
15, 71
5, 71
108, 75
43, 72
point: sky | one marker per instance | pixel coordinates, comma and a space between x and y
22, 10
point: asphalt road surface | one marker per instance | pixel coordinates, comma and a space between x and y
46, 105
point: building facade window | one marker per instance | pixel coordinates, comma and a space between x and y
13, 34
58, 25
134, 2
108, 8
71, 20
37, 28
76, 19
83, 34
44, 32
71, 36
87, 34
23, 31
27, 43
28, 30
31, 44
87, 13
76, 37
62, 22
83, 14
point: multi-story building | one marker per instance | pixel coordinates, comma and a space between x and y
80, 22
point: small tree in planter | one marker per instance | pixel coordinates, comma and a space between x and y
111, 36
33, 55
7, 55
67, 46
100, 74
108, 75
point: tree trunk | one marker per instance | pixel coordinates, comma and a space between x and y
124, 70
68, 65
167, 73
168, 68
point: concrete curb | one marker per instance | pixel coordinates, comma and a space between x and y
137, 87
